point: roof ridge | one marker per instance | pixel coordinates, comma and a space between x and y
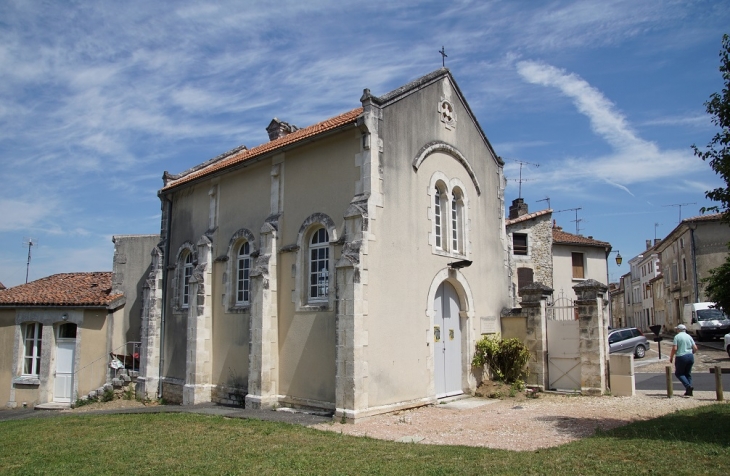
247, 154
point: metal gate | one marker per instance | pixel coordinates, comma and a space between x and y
563, 345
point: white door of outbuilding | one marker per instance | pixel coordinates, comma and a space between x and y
64, 370
447, 342
563, 340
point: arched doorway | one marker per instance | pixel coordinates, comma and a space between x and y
447, 342
65, 350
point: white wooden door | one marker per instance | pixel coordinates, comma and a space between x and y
447, 342
64, 370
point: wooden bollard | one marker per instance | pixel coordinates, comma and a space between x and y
670, 389
718, 384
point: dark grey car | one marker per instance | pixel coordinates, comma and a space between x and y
628, 340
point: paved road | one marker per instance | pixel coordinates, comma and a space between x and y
700, 380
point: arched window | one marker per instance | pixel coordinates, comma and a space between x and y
243, 268
457, 222
32, 343
319, 253
439, 225
187, 274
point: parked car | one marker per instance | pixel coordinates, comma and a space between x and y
628, 340
727, 344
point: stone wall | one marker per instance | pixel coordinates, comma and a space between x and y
539, 256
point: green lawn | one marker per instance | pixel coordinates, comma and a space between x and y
689, 442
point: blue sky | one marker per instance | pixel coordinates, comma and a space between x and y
97, 99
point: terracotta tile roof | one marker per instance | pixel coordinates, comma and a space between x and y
248, 154
529, 216
561, 237
710, 217
66, 289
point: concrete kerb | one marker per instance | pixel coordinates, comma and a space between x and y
296, 418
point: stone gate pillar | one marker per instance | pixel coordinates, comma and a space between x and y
199, 358
149, 355
592, 322
263, 345
534, 304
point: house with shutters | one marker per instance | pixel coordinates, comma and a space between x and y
349, 266
57, 332
541, 251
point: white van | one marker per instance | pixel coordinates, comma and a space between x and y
704, 321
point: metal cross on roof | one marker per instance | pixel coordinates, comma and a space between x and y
443, 56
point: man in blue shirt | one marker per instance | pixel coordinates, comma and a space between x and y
684, 348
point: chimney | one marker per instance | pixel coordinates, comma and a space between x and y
278, 129
657, 241
648, 244
517, 209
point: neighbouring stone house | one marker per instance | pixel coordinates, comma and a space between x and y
56, 333
530, 241
687, 255
542, 252
618, 304
349, 266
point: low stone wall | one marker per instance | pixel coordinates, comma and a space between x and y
228, 395
172, 391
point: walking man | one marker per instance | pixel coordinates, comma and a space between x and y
683, 348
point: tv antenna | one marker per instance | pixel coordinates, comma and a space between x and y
546, 199
680, 205
656, 225
577, 221
520, 180
29, 243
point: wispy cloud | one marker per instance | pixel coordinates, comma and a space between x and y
633, 160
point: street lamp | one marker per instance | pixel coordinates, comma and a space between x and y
619, 259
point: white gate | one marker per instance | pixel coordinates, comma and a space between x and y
563, 345
447, 342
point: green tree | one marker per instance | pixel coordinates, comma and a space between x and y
718, 150
717, 153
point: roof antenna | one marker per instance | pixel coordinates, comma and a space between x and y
520, 180
577, 221
546, 199
680, 205
28, 241
443, 57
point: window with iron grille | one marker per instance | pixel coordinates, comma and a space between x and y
319, 266
187, 274
243, 269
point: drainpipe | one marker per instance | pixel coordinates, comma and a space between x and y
166, 262
692, 227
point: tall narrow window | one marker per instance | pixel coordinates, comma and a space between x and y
457, 222
319, 266
33, 338
243, 268
437, 216
519, 244
578, 267
187, 274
